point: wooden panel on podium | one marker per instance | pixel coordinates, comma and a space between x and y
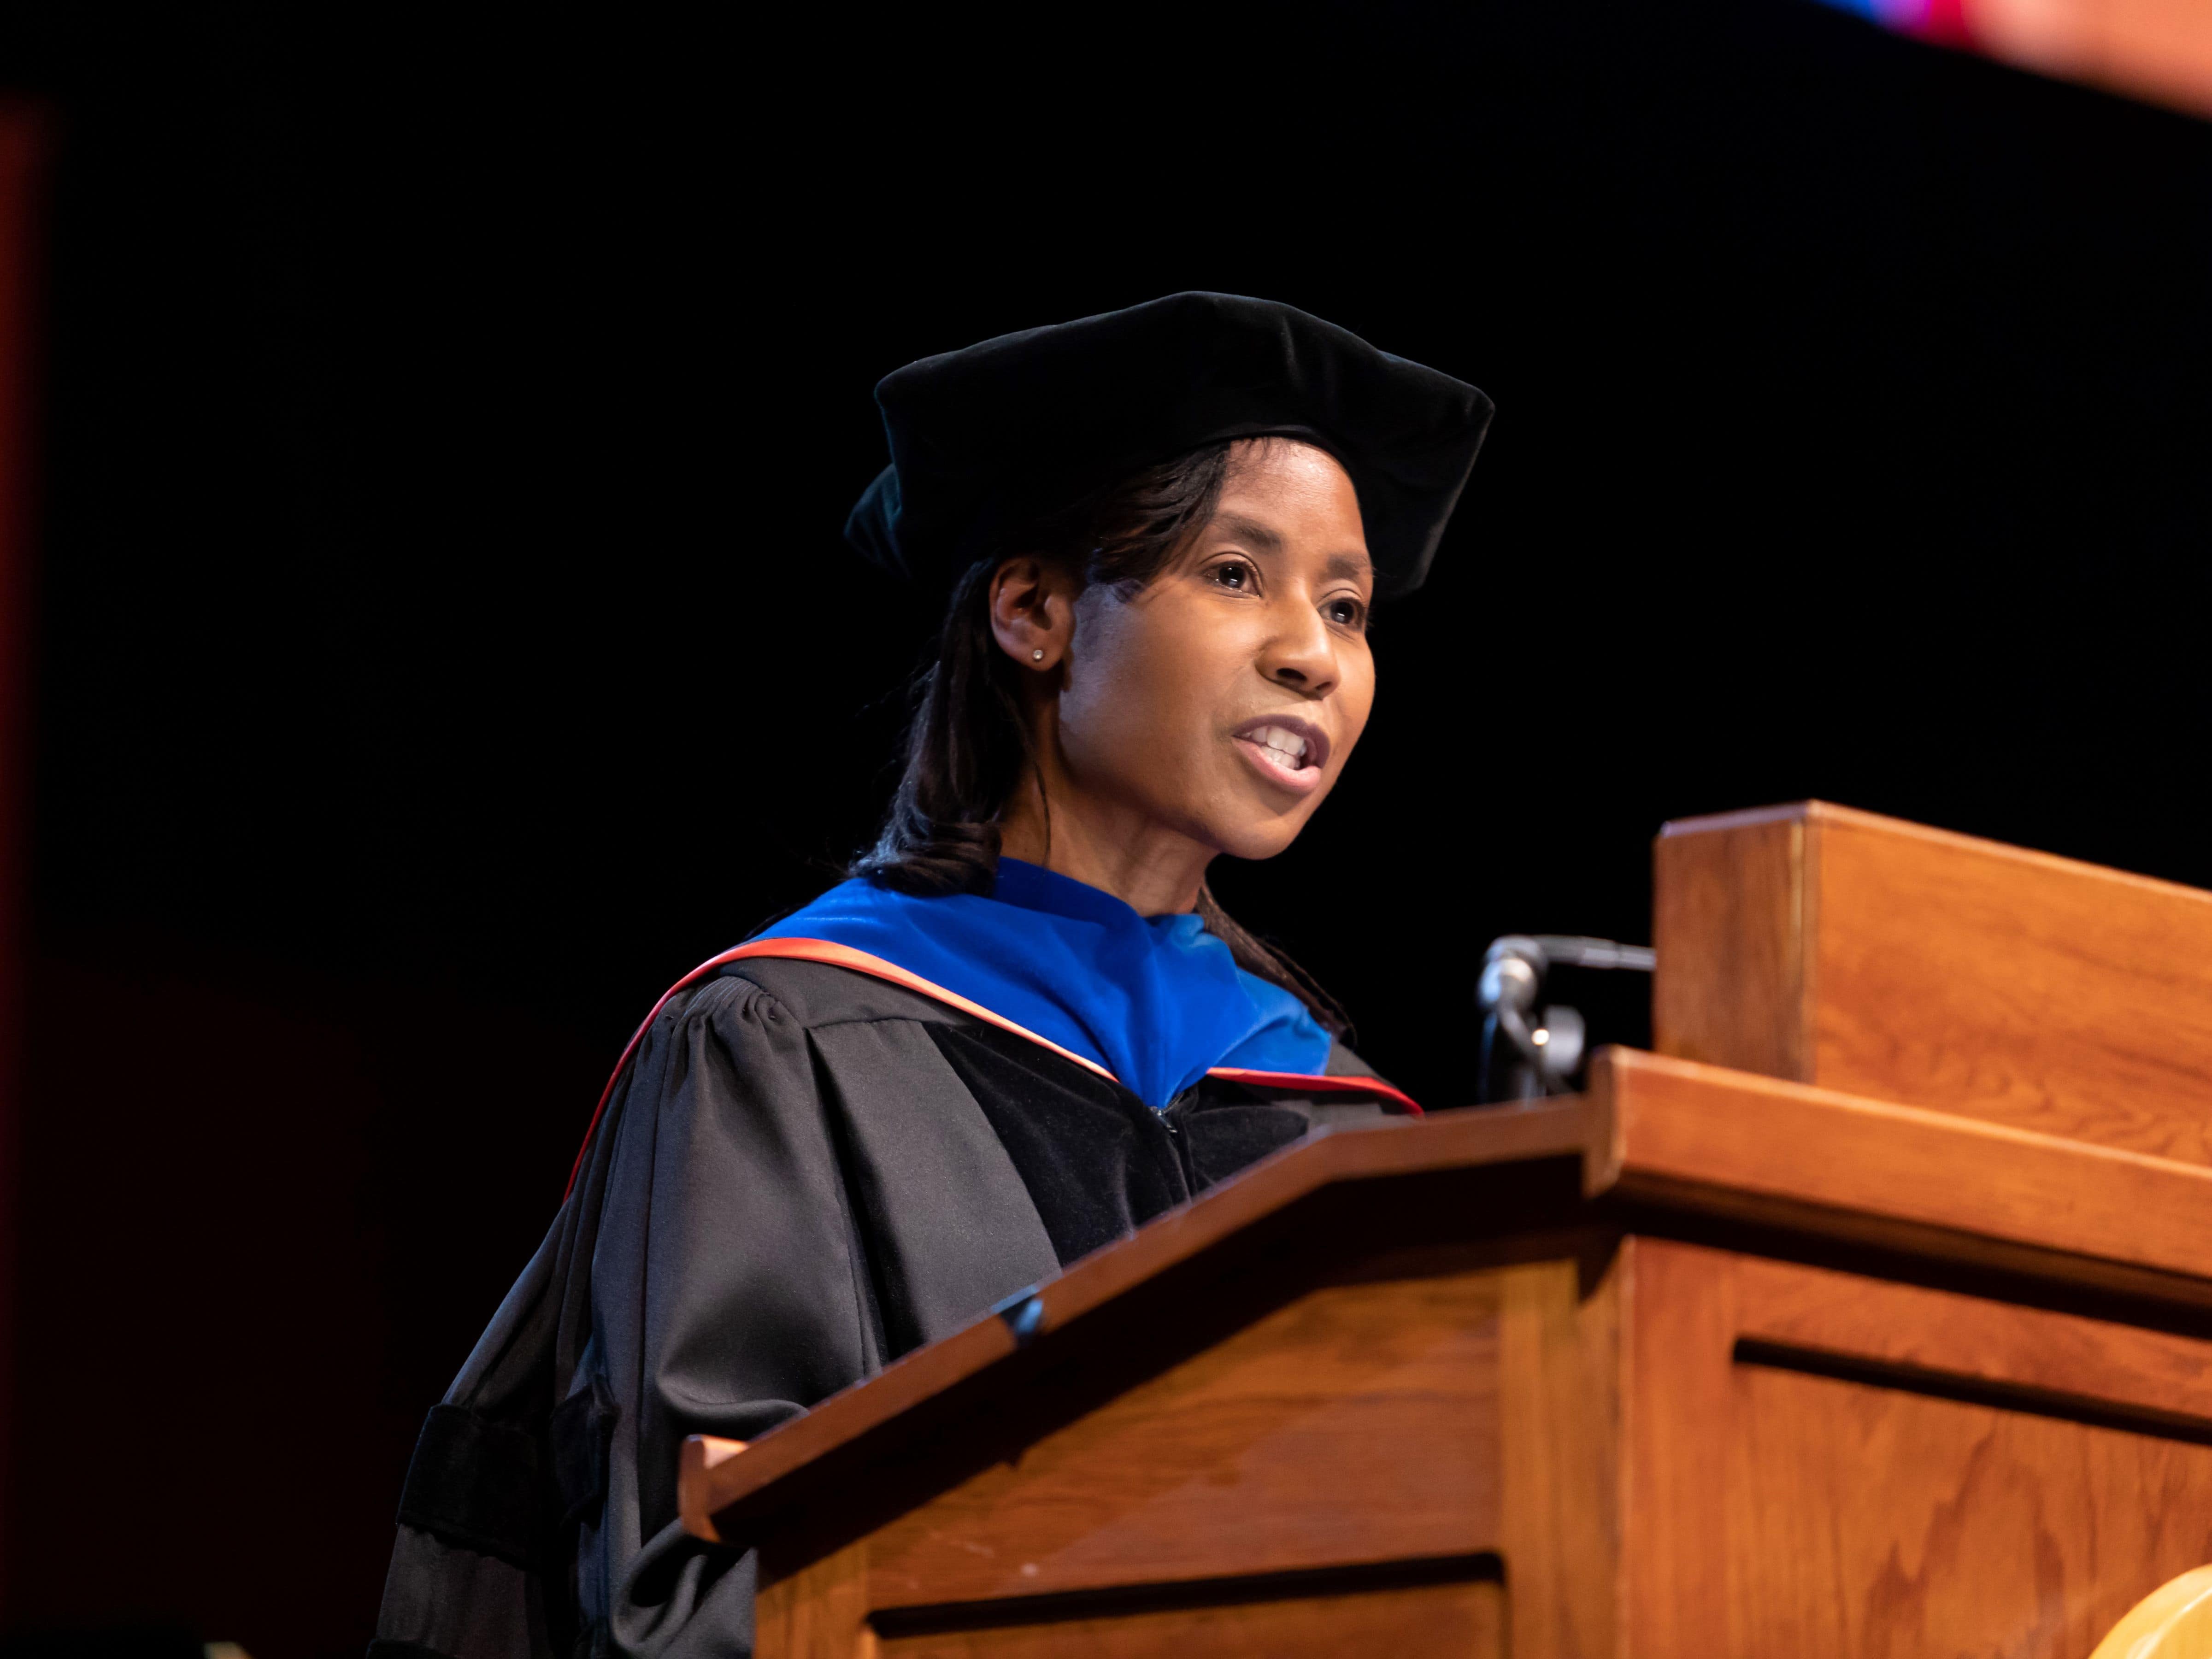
1707, 1364
1234, 1461
1385, 1396
1460, 1617
1861, 953
1823, 1464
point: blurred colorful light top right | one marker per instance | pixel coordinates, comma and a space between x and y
2157, 49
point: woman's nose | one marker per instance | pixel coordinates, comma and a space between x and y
1301, 655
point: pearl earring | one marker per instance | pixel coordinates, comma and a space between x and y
1037, 655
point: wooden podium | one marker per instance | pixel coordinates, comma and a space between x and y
1870, 1316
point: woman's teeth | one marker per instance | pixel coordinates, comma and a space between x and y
1288, 744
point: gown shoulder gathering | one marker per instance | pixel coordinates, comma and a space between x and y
801, 1173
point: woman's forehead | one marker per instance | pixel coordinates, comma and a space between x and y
1274, 498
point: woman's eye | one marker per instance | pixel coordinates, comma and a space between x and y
1237, 575
1344, 613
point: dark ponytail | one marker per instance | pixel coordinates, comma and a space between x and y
969, 739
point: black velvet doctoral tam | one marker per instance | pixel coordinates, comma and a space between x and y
984, 439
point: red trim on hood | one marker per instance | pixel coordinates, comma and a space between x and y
1315, 1083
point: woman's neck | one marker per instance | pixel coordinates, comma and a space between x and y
1120, 850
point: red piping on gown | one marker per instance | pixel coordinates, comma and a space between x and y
860, 961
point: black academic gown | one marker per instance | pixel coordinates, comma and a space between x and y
802, 1173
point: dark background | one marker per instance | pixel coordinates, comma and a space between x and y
444, 638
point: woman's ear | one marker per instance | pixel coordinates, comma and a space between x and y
1032, 613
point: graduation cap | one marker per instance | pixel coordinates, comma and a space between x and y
984, 438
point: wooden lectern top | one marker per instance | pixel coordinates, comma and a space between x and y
1830, 946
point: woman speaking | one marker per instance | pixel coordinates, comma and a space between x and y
1023, 1028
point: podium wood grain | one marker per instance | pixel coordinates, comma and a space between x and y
1930, 1182
1883, 959
1463, 1618
1236, 1460
1942, 1496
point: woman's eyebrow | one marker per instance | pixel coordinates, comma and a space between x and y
1261, 538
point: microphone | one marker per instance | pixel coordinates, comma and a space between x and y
1541, 1051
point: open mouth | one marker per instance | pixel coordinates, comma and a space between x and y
1286, 750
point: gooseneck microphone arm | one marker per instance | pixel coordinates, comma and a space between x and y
1571, 950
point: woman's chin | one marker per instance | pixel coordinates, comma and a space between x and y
1262, 834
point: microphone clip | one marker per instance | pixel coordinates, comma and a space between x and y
1529, 1054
